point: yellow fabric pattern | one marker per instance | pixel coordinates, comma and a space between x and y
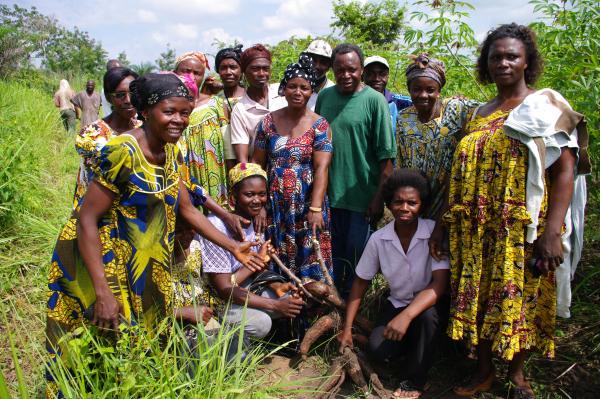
495, 296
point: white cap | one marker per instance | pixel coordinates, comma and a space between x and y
319, 47
375, 58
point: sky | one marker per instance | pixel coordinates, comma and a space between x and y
143, 28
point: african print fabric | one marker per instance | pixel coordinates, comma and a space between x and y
136, 236
495, 296
202, 148
429, 146
290, 169
88, 144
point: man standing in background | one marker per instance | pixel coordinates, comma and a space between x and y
320, 52
87, 104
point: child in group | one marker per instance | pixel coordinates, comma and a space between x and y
233, 282
409, 323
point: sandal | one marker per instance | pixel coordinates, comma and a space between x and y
474, 387
523, 392
406, 390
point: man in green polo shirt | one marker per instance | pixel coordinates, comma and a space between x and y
363, 151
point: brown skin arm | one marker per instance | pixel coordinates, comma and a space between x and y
359, 287
233, 222
548, 247
241, 152
321, 161
202, 226
375, 209
259, 157
193, 314
436, 240
97, 202
397, 327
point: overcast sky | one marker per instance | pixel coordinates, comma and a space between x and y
143, 28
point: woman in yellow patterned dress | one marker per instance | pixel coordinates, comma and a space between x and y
502, 302
112, 260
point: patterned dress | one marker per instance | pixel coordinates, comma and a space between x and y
202, 148
88, 143
136, 235
494, 294
290, 169
429, 146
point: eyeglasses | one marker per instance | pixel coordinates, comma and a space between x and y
120, 95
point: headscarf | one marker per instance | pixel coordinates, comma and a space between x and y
235, 53
154, 87
190, 82
244, 170
252, 53
423, 66
197, 55
304, 69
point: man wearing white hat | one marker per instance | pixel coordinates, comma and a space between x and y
376, 74
320, 52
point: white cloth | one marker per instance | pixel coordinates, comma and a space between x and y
407, 273
537, 117
247, 113
312, 101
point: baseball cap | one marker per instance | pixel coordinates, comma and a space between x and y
375, 58
319, 47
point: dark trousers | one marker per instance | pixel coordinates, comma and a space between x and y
418, 345
349, 234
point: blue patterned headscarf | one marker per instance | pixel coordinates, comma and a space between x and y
304, 69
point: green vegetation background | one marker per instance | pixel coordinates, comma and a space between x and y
38, 166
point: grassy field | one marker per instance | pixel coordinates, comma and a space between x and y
37, 172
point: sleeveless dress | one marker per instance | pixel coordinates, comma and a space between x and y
290, 170
495, 296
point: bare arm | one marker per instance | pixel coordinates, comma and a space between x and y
233, 222
260, 157
359, 287
397, 327
97, 202
548, 247
241, 152
321, 162
375, 209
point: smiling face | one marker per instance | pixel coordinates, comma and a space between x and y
89, 86
507, 61
230, 72
321, 64
297, 92
348, 72
258, 72
405, 205
424, 93
193, 66
249, 196
376, 75
120, 99
167, 119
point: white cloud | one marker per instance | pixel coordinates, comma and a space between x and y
295, 14
184, 31
146, 16
202, 7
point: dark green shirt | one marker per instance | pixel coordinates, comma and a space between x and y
362, 138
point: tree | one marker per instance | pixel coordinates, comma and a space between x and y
143, 68
166, 61
376, 23
122, 58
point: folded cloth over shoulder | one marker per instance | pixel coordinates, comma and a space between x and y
545, 123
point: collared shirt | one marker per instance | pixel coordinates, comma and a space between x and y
312, 101
407, 273
216, 259
247, 113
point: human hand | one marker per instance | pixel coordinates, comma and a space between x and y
235, 224
549, 252
437, 247
345, 339
397, 327
374, 210
289, 306
260, 222
281, 289
106, 311
194, 314
248, 258
266, 249
315, 220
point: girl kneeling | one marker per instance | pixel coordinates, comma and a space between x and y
409, 322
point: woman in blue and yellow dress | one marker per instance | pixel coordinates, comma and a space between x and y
112, 260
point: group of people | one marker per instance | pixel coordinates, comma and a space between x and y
190, 187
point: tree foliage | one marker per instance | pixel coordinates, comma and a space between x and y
41, 37
166, 61
122, 58
377, 23
143, 68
